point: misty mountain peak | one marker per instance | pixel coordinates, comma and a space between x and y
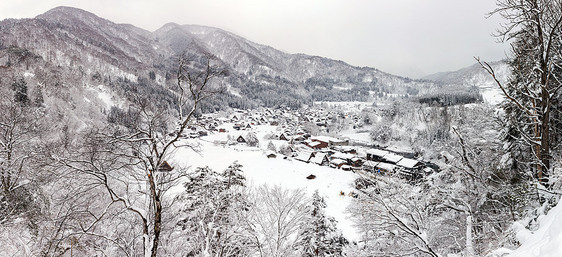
73, 16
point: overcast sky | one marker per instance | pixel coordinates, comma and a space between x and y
404, 37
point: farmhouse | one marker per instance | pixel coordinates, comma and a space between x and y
376, 154
346, 149
337, 163
329, 141
392, 158
378, 167
317, 144
409, 163
356, 162
344, 156
305, 156
320, 159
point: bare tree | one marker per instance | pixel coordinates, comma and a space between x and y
275, 220
20, 127
130, 164
395, 220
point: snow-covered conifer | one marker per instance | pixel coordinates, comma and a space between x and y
319, 236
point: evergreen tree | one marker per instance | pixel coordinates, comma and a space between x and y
516, 125
535, 27
38, 99
320, 236
234, 176
252, 139
19, 86
210, 217
271, 147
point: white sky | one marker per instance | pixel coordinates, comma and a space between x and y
404, 37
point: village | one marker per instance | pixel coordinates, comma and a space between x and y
302, 135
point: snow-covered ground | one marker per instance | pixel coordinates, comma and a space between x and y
104, 95
288, 173
545, 242
492, 94
363, 137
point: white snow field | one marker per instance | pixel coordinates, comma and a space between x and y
287, 173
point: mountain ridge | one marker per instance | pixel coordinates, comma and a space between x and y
77, 39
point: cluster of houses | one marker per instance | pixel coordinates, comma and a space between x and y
337, 153
284, 117
320, 150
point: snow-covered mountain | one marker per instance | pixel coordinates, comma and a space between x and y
475, 75
74, 41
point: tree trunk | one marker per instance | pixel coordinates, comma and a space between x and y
544, 154
469, 240
157, 227
157, 215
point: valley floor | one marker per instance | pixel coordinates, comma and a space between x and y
287, 173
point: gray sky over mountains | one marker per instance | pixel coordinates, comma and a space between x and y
403, 37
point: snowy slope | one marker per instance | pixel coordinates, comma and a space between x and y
546, 241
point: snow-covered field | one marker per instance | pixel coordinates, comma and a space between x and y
287, 173
492, 94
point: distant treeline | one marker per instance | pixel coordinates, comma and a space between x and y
269, 91
451, 98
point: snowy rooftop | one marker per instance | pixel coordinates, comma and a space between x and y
344, 156
318, 158
394, 158
370, 164
385, 166
337, 161
313, 144
407, 163
377, 152
327, 139
303, 156
322, 138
